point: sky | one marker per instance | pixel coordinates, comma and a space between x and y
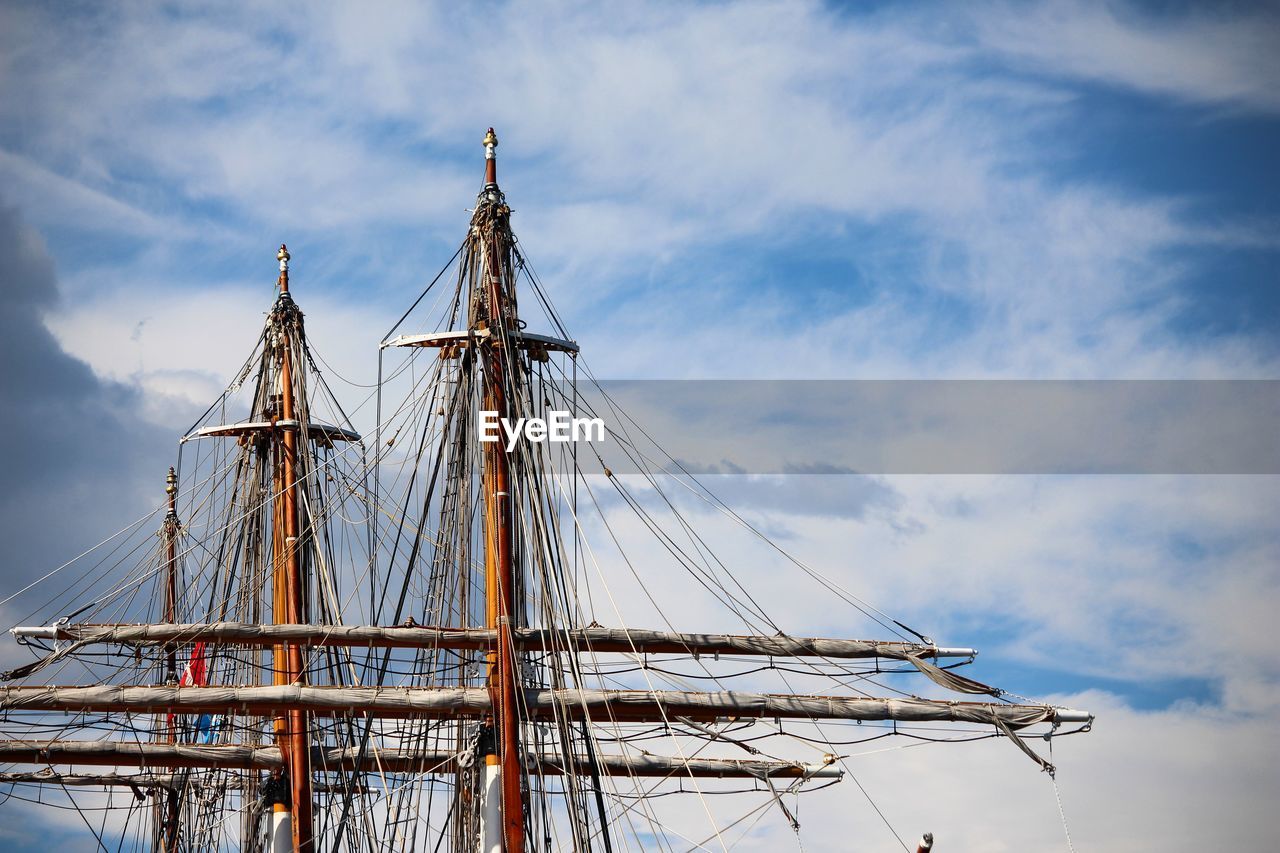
989, 190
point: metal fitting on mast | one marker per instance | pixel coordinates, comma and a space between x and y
283, 257
490, 191
171, 490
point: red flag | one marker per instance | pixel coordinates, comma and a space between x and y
194, 674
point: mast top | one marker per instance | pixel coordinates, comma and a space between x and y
171, 489
490, 159
283, 257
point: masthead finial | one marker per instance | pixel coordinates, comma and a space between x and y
283, 257
490, 159
171, 487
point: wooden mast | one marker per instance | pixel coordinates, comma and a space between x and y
295, 738
172, 805
499, 566
171, 572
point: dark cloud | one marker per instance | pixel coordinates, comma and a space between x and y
849, 427
803, 493
80, 462
770, 499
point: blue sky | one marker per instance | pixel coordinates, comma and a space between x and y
754, 190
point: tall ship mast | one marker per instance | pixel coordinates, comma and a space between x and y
426, 638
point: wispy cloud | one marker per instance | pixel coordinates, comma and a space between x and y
638, 145
1218, 56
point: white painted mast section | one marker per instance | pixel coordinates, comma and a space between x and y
491, 816
35, 632
281, 831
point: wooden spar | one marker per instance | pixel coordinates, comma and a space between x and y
500, 570
326, 434
926, 843
145, 781
243, 757
170, 823
297, 732
463, 339
579, 640
600, 706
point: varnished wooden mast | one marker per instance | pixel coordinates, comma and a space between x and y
499, 564
170, 823
171, 572
288, 574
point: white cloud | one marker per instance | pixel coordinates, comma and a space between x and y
185, 348
1178, 780
1132, 580
1141, 579
53, 198
1213, 56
